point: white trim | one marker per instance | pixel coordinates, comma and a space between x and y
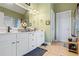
52, 22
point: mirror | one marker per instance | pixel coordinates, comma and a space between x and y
13, 14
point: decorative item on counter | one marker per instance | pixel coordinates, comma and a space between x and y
9, 28
20, 29
14, 30
30, 29
24, 24
35, 29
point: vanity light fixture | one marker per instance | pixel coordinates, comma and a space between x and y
31, 10
78, 8
28, 4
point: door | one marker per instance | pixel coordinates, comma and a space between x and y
7, 45
63, 28
52, 25
22, 44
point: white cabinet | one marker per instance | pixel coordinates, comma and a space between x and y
12, 44
40, 38
7, 44
22, 43
36, 39
32, 41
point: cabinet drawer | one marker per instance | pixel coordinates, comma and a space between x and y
21, 35
32, 40
32, 46
7, 36
31, 34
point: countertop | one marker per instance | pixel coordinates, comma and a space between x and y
18, 32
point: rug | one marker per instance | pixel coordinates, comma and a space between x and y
36, 52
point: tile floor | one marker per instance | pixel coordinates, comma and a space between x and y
57, 49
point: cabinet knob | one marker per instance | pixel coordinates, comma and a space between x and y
32, 45
17, 41
32, 39
13, 42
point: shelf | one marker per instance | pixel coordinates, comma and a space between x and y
73, 50
71, 42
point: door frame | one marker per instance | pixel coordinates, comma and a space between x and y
57, 23
52, 22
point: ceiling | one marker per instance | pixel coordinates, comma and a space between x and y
13, 7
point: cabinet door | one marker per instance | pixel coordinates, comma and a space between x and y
22, 44
32, 41
40, 38
7, 45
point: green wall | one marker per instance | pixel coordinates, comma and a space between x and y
39, 20
60, 7
26, 17
45, 10
8, 12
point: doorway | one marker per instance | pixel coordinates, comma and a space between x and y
63, 26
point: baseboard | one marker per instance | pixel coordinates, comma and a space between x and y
48, 43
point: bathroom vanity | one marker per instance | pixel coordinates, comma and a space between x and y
20, 43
